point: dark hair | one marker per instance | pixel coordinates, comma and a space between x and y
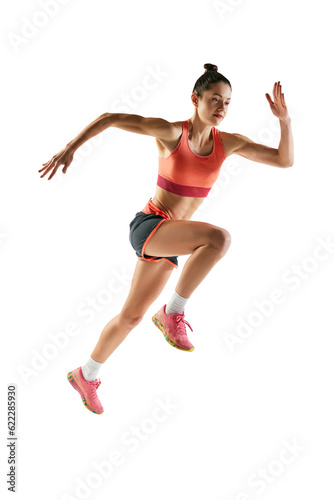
209, 77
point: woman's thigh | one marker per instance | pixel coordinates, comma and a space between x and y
182, 237
148, 281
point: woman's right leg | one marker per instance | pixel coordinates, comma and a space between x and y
206, 243
148, 281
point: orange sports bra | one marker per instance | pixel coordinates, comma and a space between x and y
188, 174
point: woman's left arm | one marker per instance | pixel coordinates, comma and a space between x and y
281, 157
279, 109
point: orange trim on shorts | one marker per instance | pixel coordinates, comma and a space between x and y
152, 258
163, 258
150, 208
149, 237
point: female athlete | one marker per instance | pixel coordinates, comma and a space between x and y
191, 153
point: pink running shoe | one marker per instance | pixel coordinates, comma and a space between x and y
87, 390
174, 329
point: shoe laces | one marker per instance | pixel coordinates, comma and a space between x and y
180, 325
95, 384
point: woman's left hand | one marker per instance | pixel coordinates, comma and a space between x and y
278, 107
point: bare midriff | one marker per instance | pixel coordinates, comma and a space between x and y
175, 206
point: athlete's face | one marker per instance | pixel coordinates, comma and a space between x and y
213, 105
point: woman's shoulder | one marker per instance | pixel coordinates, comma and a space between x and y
178, 125
166, 146
229, 141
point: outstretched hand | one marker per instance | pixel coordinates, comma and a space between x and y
64, 157
278, 107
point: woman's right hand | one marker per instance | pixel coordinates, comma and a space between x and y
64, 157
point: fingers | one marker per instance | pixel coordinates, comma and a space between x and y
46, 172
277, 89
64, 157
53, 166
53, 173
278, 94
269, 100
283, 100
281, 95
47, 164
278, 107
43, 167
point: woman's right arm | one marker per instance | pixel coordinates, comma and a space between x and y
156, 127
65, 156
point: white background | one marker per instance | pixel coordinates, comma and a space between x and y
233, 410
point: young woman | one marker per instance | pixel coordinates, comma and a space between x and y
191, 153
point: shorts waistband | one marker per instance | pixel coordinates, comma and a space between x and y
151, 208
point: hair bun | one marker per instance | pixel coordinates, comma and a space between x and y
210, 67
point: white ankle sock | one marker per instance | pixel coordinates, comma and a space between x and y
91, 369
176, 304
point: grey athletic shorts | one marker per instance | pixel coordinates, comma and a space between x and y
143, 226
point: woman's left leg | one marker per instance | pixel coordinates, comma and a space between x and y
147, 283
149, 279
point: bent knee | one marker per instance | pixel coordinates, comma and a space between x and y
221, 239
130, 318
